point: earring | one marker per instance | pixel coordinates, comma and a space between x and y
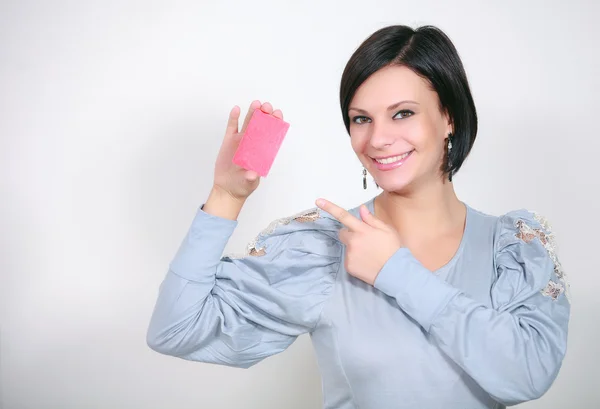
364, 178
449, 159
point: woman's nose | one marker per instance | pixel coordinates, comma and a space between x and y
381, 136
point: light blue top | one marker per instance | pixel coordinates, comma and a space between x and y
488, 329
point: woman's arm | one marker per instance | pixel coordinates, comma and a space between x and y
238, 311
513, 350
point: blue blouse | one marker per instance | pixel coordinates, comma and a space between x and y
486, 330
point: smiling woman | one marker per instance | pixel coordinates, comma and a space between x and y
413, 299
423, 69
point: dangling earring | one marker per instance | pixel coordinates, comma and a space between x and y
364, 178
449, 159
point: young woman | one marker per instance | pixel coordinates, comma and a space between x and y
414, 299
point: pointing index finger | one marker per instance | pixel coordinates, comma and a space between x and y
342, 215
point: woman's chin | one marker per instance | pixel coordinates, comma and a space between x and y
392, 186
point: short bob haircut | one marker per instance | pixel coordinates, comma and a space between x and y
429, 53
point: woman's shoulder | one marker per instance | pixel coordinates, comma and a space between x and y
510, 221
523, 226
309, 231
524, 234
524, 241
306, 223
515, 226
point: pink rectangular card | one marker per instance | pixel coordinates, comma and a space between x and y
260, 143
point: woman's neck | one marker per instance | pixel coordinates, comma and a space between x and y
427, 212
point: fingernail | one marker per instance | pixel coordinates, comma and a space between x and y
320, 202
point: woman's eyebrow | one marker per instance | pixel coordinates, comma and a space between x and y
390, 108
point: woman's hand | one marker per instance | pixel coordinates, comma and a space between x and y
230, 179
232, 184
369, 242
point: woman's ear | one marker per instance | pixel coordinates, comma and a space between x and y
449, 124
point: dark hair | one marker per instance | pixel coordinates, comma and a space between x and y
430, 54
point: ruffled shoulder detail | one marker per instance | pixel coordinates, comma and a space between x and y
310, 220
530, 237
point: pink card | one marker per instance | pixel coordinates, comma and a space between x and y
260, 143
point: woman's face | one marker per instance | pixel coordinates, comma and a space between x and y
397, 129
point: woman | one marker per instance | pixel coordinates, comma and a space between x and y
414, 299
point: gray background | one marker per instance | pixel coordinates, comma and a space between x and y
111, 115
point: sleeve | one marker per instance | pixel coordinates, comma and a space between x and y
515, 349
236, 311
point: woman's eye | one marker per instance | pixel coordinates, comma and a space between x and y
403, 114
360, 119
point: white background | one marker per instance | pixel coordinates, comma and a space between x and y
111, 115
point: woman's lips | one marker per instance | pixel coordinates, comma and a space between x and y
392, 162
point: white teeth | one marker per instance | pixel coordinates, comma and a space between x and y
392, 159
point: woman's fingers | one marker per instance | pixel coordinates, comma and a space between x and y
267, 108
234, 115
278, 114
251, 176
232, 122
253, 106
